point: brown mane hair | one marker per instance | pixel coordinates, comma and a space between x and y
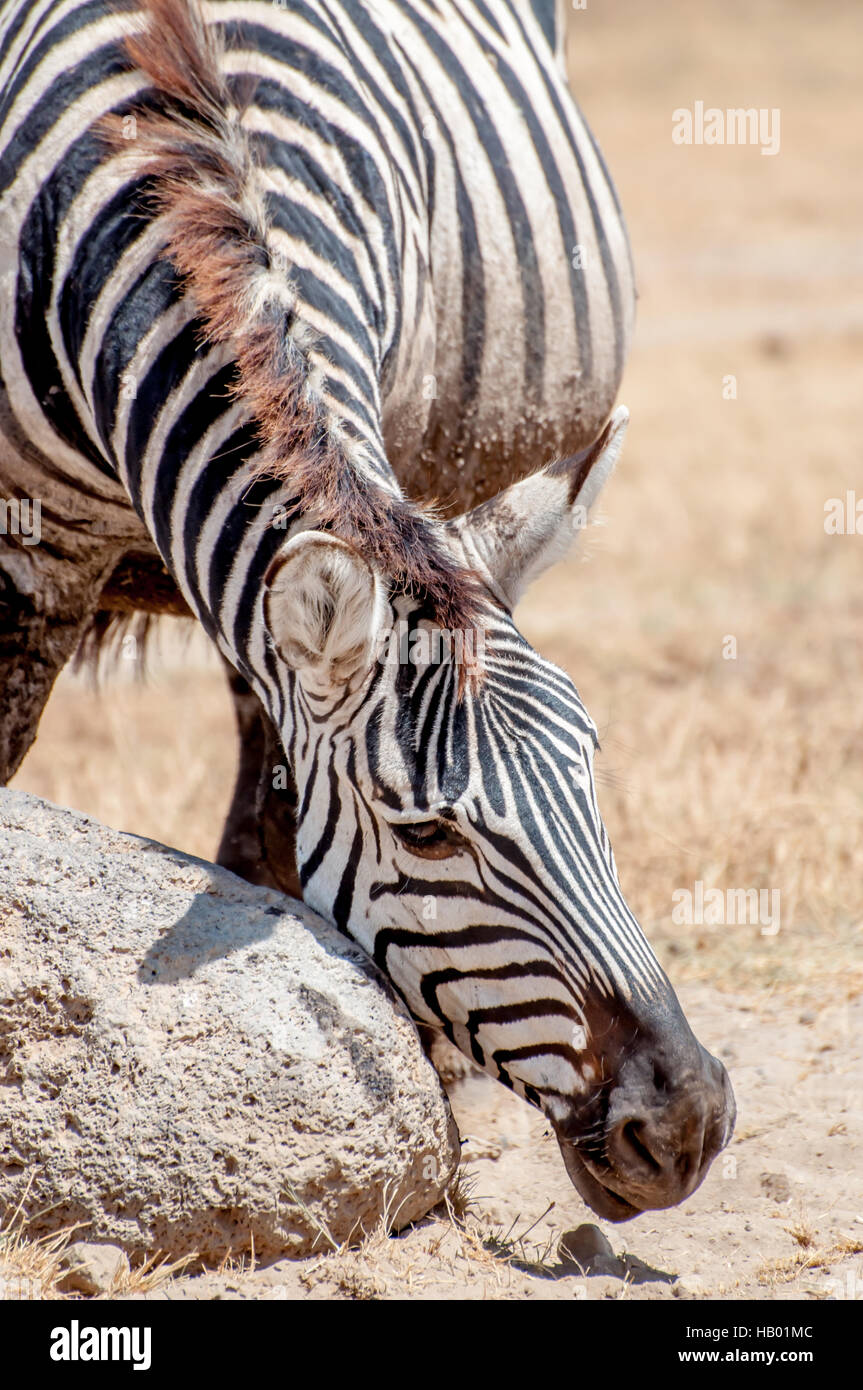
201, 165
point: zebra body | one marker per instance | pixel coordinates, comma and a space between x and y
400, 253
267, 269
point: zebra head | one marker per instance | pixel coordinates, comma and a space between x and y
453, 830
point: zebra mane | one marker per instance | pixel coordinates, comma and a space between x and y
201, 165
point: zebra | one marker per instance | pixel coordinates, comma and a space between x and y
313, 318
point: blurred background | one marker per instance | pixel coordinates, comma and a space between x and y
742, 771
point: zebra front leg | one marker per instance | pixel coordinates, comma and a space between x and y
259, 838
44, 609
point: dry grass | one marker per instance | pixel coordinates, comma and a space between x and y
803, 1232
513, 1245
30, 1269
460, 1197
35, 1267
364, 1268
458, 1245
156, 1272
788, 1268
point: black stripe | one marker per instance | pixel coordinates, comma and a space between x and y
345, 896
325, 841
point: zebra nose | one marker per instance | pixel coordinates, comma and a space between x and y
662, 1135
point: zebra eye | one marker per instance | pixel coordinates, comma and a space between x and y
433, 839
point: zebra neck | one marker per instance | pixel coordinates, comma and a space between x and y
162, 413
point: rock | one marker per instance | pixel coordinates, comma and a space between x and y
191, 1064
91, 1268
776, 1186
585, 1246
688, 1286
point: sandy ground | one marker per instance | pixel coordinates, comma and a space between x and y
742, 771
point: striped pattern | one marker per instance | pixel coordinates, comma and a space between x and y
460, 178
509, 944
441, 240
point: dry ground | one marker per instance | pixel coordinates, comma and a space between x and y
741, 772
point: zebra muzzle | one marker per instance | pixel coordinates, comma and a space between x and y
647, 1142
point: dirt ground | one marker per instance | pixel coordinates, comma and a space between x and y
734, 763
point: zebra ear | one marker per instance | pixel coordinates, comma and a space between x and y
324, 609
515, 536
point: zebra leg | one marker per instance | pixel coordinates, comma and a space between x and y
450, 1064
45, 606
258, 841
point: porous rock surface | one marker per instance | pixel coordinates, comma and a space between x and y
188, 1063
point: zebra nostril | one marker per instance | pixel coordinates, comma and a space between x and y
633, 1143
660, 1080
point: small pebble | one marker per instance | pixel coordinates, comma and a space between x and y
91, 1268
688, 1286
584, 1245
